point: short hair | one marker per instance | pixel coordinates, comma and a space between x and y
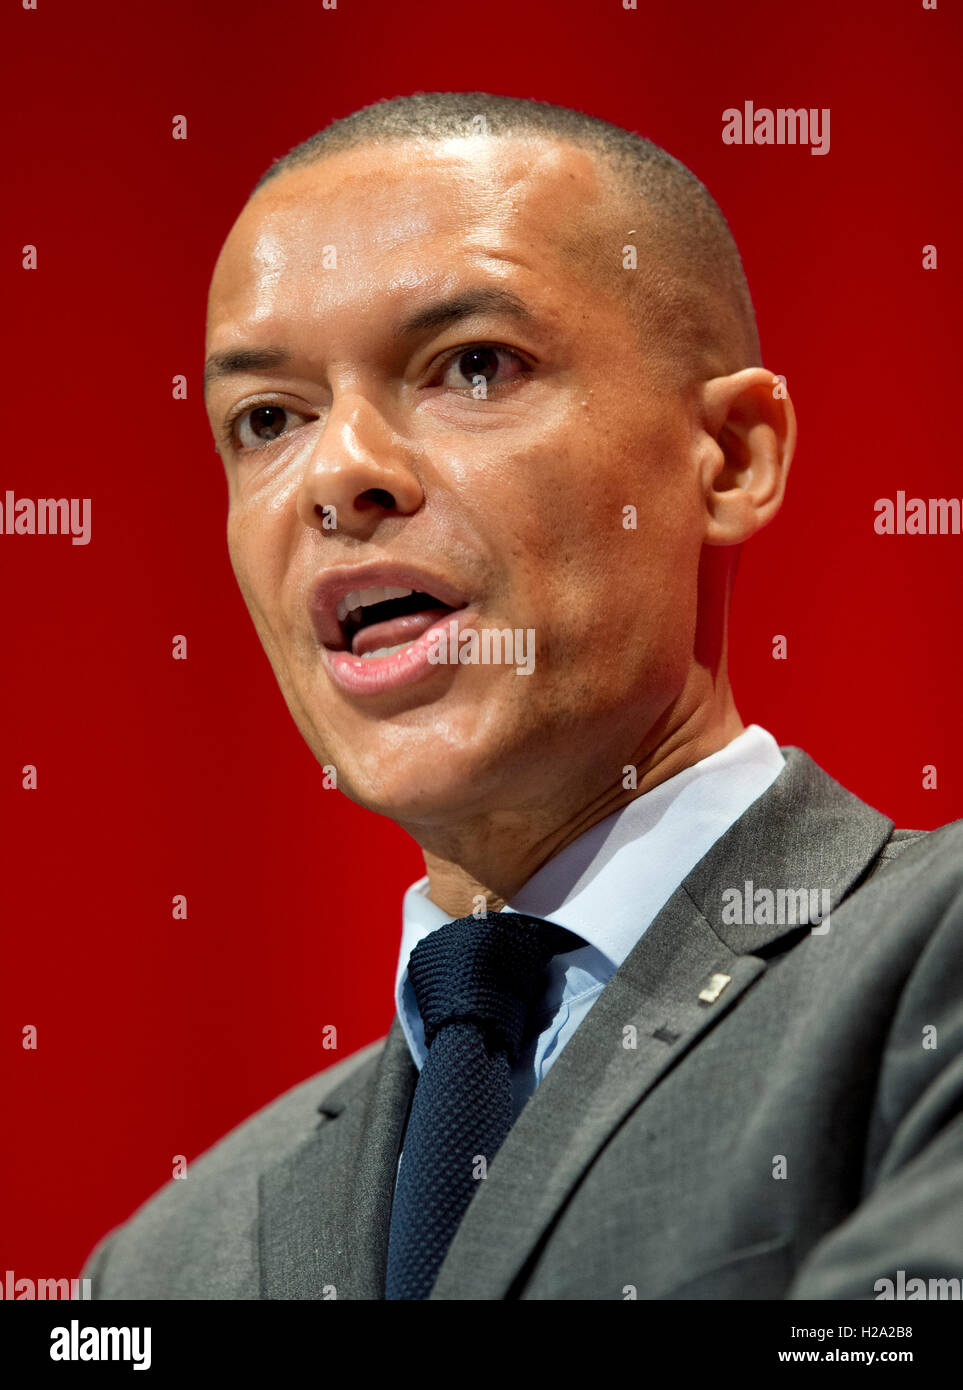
695, 299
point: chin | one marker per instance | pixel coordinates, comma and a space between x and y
429, 789
428, 806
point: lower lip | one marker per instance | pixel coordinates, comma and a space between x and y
377, 674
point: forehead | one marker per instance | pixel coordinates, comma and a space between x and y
383, 220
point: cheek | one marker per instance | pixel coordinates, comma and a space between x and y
606, 553
601, 509
254, 552
239, 548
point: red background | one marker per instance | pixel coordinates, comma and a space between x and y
159, 777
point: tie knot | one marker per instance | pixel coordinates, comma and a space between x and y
488, 971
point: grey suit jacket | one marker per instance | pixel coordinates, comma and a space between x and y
750, 1109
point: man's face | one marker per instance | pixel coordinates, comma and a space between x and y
395, 279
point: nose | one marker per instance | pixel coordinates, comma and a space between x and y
359, 472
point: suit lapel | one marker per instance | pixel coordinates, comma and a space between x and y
805, 832
687, 971
648, 1015
325, 1208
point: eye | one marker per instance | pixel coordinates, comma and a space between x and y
260, 425
494, 365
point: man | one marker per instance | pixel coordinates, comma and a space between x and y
487, 387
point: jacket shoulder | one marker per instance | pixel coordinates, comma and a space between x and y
921, 852
196, 1236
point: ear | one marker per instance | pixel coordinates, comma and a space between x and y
749, 434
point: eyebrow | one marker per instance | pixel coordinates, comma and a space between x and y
236, 360
439, 314
487, 299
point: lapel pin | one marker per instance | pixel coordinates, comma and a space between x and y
714, 988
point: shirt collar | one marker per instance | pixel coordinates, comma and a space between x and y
610, 883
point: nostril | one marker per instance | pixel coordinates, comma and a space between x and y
378, 497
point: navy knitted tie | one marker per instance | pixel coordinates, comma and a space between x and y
477, 982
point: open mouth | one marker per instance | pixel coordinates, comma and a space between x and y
380, 621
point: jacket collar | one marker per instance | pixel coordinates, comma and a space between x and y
325, 1209
806, 833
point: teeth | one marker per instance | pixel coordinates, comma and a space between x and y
347, 605
363, 598
385, 651
367, 597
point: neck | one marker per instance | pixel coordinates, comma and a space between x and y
491, 856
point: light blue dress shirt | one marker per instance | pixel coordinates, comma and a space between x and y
607, 886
